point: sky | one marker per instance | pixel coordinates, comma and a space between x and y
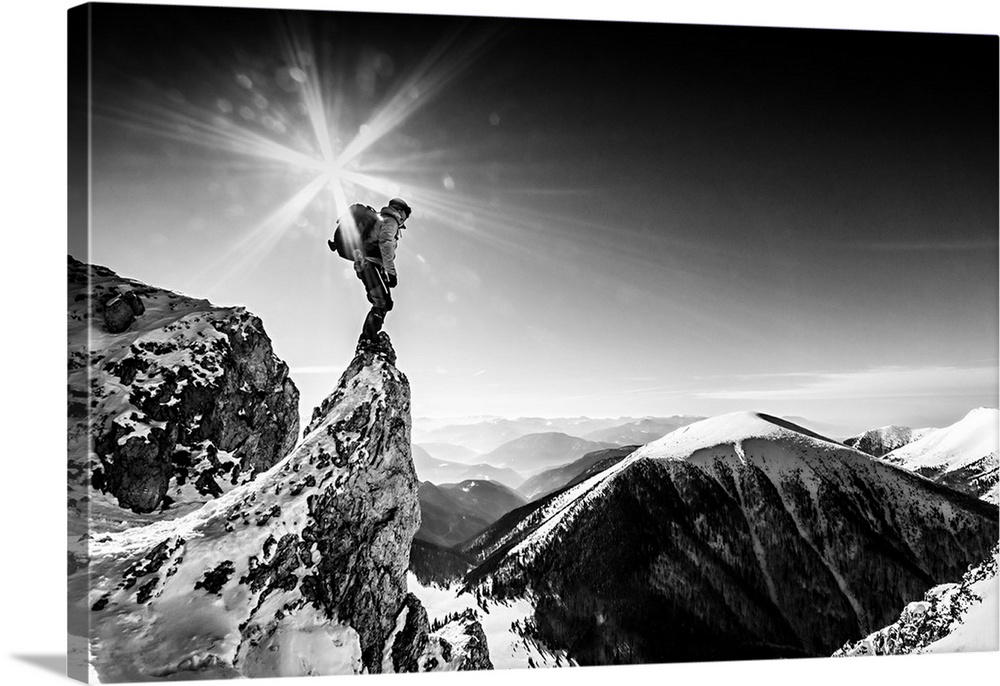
610, 218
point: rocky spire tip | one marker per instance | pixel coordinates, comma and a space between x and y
382, 348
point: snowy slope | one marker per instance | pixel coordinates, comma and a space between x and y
962, 456
957, 617
501, 623
741, 536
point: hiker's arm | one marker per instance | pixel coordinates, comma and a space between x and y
387, 244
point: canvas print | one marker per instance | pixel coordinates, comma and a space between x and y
420, 343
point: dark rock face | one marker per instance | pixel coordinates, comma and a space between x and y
181, 405
477, 653
302, 571
409, 643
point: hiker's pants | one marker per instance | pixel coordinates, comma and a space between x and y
377, 292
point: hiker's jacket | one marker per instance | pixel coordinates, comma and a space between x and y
380, 245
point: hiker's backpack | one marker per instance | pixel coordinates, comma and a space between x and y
352, 228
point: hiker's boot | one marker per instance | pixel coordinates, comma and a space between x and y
366, 345
384, 348
373, 324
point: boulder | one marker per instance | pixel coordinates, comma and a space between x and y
120, 313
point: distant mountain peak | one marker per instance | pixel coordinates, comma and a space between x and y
963, 455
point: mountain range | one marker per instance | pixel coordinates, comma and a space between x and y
537, 451
741, 536
442, 471
449, 452
486, 434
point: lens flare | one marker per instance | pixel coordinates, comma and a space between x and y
290, 127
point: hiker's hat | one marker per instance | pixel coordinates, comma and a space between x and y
400, 204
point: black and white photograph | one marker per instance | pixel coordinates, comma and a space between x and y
405, 340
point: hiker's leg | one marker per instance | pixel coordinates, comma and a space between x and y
377, 293
373, 323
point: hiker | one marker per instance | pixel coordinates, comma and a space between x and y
374, 262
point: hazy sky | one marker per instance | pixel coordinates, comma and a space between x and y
609, 218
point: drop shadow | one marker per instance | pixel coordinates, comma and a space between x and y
51, 663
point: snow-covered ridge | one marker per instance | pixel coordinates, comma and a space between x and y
963, 455
974, 436
732, 428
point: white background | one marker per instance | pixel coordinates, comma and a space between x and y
32, 395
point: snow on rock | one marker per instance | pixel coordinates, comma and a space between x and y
962, 456
301, 571
502, 624
185, 403
951, 618
456, 643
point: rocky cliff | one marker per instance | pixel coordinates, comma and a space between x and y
300, 571
172, 400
